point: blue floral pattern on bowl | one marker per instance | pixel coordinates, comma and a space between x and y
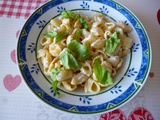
34, 69
60, 9
31, 47
85, 5
85, 99
116, 89
104, 10
41, 23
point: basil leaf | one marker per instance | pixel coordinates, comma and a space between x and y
69, 61
54, 72
59, 37
102, 74
112, 43
80, 50
78, 34
69, 14
84, 23
54, 86
50, 34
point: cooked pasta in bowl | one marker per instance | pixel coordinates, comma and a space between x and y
84, 56
78, 51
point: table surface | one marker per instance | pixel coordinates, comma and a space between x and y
18, 103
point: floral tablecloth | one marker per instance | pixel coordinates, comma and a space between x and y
18, 103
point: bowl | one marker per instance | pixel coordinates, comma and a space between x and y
129, 80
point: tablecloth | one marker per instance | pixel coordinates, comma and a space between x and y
18, 103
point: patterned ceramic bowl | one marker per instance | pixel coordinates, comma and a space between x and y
128, 81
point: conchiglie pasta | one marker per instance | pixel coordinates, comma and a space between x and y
86, 68
46, 59
110, 26
79, 78
99, 57
41, 53
55, 49
54, 64
98, 20
56, 22
46, 41
85, 33
107, 34
64, 75
97, 31
77, 24
91, 38
119, 64
65, 27
107, 65
114, 60
124, 26
94, 33
69, 38
68, 86
91, 86
98, 44
127, 43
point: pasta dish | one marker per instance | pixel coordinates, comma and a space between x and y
81, 51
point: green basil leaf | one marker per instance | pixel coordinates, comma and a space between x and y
112, 43
69, 14
54, 72
54, 86
78, 34
59, 37
84, 23
102, 74
50, 34
80, 50
69, 61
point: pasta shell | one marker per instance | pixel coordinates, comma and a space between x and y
56, 22
114, 60
79, 79
86, 68
98, 44
110, 26
91, 86
107, 65
119, 64
46, 60
69, 86
97, 31
124, 26
55, 49
45, 41
64, 75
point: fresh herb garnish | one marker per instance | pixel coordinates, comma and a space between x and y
69, 61
59, 37
112, 43
84, 23
78, 34
81, 50
70, 14
54, 72
102, 75
50, 34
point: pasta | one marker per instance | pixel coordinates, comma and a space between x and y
78, 51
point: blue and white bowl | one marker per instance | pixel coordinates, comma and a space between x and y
129, 80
